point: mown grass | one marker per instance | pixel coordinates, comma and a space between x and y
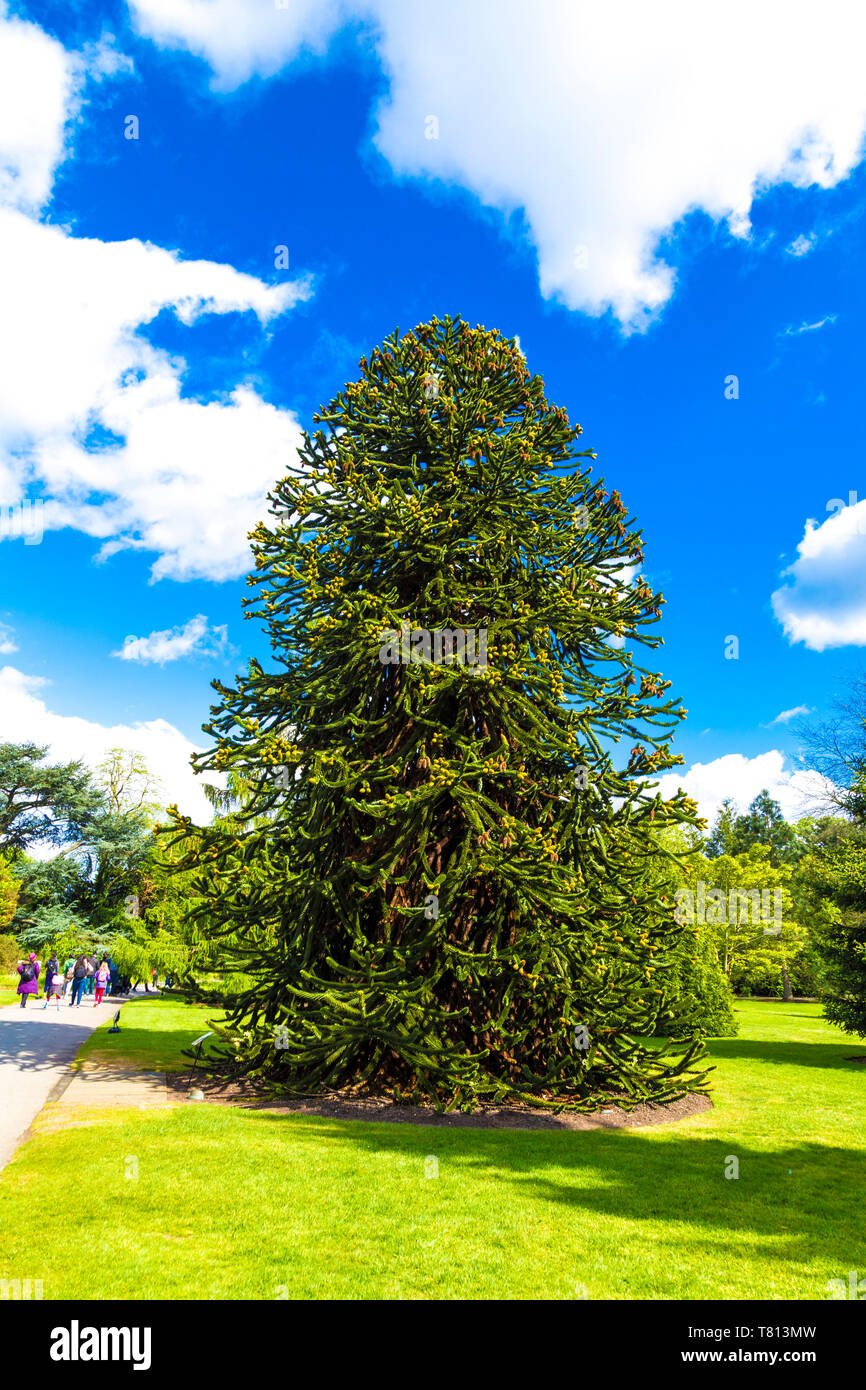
154, 1030
212, 1202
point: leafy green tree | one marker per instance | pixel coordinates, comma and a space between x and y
697, 994
721, 839
764, 824
746, 902
9, 890
834, 885
39, 803
698, 998
439, 882
94, 871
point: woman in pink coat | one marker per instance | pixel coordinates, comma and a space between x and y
29, 982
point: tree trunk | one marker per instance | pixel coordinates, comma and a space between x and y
787, 992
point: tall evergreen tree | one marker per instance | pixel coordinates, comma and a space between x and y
439, 880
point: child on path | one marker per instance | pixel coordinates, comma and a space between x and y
102, 976
53, 991
52, 968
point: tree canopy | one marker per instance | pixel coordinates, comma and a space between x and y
438, 883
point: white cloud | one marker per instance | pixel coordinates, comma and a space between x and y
27, 718
241, 37
787, 715
810, 327
186, 479
604, 125
802, 245
798, 792
7, 646
37, 90
824, 603
195, 638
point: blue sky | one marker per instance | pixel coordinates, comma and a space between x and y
647, 240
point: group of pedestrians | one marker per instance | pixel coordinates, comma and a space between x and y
81, 976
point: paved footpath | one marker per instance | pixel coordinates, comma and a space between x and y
37, 1047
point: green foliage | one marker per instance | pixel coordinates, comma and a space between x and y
763, 824
699, 997
10, 887
834, 884
49, 924
10, 954
99, 861
440, 872
737, 897
39, 803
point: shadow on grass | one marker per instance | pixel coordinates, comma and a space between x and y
793, 1054
802, 1201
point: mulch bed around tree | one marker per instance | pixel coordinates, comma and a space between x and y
382, 1109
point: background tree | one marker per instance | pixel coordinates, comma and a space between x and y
763, 824
721, 838
439, 882
832, 883
748, 947
836, 749
102, 856
698, 998
39, 803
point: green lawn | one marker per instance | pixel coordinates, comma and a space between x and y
8, 988
224, 1203
153, 1032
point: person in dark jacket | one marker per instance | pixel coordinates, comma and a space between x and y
79, 975
29, 982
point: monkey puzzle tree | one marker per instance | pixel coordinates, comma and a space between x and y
438, 881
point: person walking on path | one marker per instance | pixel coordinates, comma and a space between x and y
53, 991
29, 982
114, 972
102, 977
79, 975
52, 968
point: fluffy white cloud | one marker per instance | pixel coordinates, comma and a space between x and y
824, 603
603, 125
799, 792
194, 638
184, 478
27, 718
37, 89
7, 646
188, 479
241, 37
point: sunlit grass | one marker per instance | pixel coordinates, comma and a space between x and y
214, 1202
